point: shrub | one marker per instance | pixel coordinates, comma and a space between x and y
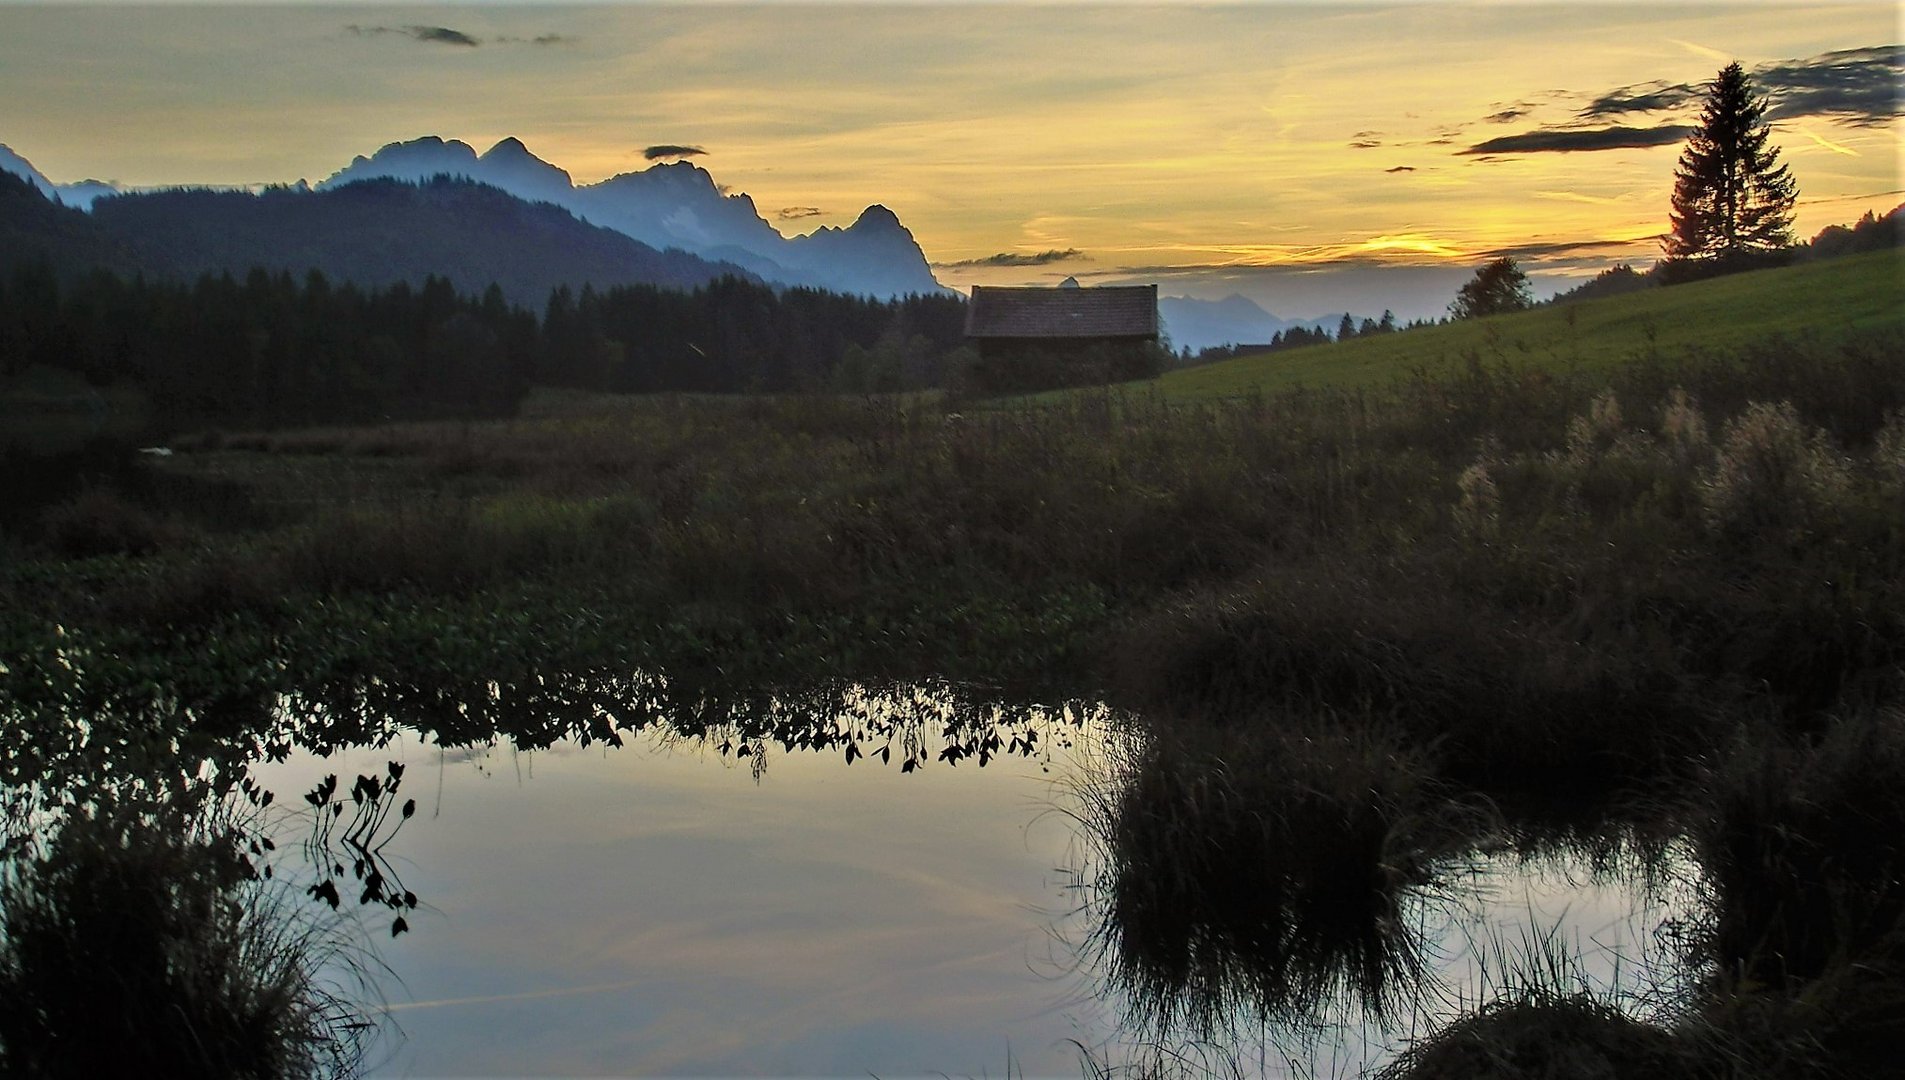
99, 521
1773, 477
1598, 430
1478, 514
1888, 456
1683, 428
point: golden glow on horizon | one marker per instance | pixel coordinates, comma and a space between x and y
1418, 244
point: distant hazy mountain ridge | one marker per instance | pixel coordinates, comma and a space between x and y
80, 195
1235, 320
676, 205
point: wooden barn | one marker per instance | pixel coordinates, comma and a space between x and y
1034, 338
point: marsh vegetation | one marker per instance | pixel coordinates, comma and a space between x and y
1361, 635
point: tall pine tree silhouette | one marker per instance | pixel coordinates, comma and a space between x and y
1731, 196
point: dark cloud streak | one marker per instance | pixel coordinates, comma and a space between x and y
434, 35
1646, 97
444, 35
794, 213
1566, 249
1569, 140
1011, 258
1855, 86
669, 150
441, 35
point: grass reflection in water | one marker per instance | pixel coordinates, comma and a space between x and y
135, 941
1265, 898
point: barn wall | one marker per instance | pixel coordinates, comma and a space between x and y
1018, 365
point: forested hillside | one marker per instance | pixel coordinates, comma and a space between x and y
34, 228
381, 232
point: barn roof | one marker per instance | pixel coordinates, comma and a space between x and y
1107, 311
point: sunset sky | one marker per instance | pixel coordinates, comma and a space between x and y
1313, 157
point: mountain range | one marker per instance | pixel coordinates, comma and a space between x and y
667, 206
676, 205
434, 205
380, 232
79, 196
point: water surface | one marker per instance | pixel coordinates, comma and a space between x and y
668, 907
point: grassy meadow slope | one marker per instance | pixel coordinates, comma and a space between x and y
1826, 298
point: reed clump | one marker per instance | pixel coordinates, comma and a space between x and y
1801, 839
134, 944
1241, 875
1544, 1035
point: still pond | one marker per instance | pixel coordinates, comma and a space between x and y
885, 883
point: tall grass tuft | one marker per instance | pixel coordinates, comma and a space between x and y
1803, 843
1543, 1017
1539, 1034
1801, 840
137, 945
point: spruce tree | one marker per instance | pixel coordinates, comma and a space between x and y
1731, 196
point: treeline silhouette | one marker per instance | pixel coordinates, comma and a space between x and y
270, 350
1298, 337
1872, 232
736, 335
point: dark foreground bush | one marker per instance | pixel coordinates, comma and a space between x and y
130, 947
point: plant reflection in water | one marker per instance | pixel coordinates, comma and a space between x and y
1304, 881
1304, 900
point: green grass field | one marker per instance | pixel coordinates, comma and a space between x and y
1825, 298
